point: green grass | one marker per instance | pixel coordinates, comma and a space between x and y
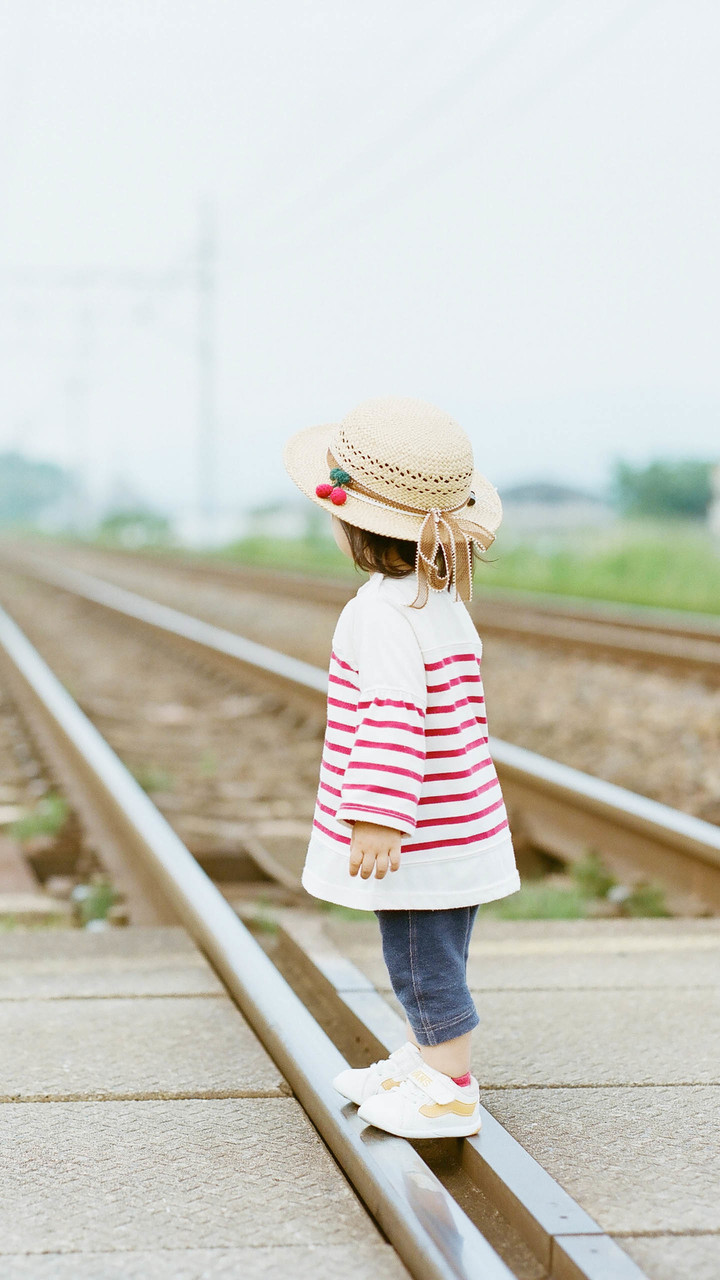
645, 900
539, 901
10, 924
46, 818
345, 913
93, 901
589, 882
152, 777
263, 920
591, 877
299, 555
674, 565
208, 764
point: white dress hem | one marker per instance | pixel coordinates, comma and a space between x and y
411, 901
326, 876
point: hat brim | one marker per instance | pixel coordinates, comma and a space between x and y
305, 460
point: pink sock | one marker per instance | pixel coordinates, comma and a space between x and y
462, 1080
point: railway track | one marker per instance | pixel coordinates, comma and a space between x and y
553, 807
686, 644
410, 1200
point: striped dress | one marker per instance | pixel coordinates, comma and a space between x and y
406, 746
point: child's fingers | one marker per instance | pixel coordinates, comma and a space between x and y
356, 857
368, 863
368, 860
381, 865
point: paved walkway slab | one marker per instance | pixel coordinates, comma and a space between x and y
360, 1260
57, 964
567, 954
596, 1037
144, 1130
668, 1257
639, 1160
191, 1046
599, 1050
117, 1176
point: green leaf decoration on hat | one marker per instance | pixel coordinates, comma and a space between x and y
339, 476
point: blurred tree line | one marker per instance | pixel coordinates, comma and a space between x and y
28, 487
135, 528
31, 488
681, 488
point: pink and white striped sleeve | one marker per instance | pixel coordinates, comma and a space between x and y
385, 769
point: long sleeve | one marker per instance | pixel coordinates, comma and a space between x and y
385, 769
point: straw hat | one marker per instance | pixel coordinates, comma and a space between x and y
402, 468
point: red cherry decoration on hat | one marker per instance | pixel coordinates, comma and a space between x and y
338, 496
324, 490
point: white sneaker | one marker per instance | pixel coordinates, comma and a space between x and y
362, 1082
426, 1104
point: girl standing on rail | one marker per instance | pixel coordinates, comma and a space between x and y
410, 821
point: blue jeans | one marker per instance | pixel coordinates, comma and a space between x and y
426, 956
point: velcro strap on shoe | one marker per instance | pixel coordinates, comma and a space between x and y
430, 1085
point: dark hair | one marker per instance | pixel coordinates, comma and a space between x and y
374, 552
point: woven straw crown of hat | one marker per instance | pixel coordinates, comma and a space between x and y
406, 451
404, 469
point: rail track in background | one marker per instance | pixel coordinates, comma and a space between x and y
410, 1197
558, 810
688, 644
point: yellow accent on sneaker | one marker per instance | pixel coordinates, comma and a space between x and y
390, 1084
434, 1109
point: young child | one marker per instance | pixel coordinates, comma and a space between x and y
410, 820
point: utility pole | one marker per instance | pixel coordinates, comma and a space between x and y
196, 275
206, 366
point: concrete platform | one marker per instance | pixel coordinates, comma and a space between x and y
120, 962
119, 1176
362, 1260
145, 1131
187, 1047
639, 1160
597, 1037
599, 1050
666, 1257
542, 955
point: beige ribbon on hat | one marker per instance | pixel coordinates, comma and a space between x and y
439, 528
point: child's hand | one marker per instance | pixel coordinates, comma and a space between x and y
374, 846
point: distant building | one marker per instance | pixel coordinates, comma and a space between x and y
195, 528
527, 508
544, 506
284, 519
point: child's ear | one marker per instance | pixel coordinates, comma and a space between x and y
341, 539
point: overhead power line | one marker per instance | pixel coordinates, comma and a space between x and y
364, 162
197, 274
429, 170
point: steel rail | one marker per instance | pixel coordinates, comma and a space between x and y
295, 583
629, 632
430, 1232
562, 809
679, 651
643, 617
564, 1238
551, 1223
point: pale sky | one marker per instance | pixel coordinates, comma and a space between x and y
507, 208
